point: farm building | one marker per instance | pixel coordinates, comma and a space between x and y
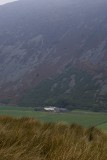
50, 109
55, 109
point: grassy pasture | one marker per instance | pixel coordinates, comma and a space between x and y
83, 118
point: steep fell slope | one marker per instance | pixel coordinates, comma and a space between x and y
61, 45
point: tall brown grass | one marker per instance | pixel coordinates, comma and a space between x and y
29, 139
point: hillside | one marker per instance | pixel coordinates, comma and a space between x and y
30, 139
54, 53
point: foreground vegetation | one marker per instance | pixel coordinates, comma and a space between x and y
30, 139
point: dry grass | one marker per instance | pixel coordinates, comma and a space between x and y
27, 139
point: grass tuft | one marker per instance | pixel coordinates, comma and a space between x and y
31, 139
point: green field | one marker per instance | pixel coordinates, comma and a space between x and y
80, 117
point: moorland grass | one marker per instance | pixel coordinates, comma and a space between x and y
30, 139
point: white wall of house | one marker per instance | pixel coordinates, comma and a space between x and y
49, 108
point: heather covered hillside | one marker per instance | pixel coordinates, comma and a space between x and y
30, 139
54, 53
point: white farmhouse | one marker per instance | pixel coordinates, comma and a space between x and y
50, 109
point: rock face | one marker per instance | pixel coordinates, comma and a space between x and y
54, 52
